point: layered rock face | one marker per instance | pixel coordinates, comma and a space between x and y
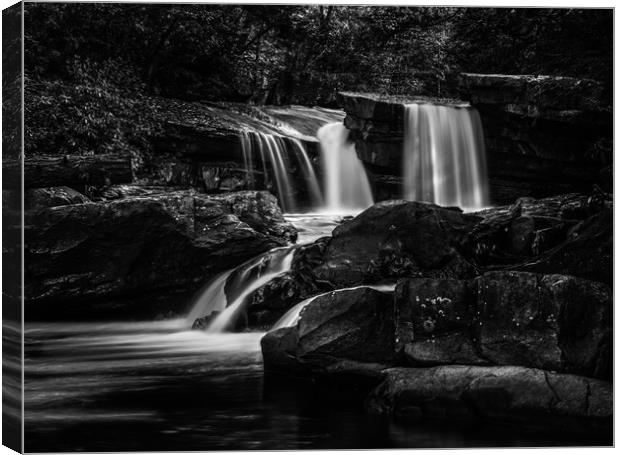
141, 254
514, 395
544, 135
552, 134
203, 147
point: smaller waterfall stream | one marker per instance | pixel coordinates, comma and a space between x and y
274, 153
346, 183
243, 280
444, 157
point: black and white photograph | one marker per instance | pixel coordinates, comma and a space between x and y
306, 226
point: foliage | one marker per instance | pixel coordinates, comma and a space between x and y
90, 66
96, 113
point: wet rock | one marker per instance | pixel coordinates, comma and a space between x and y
397, 239
587, 251
54, 196
553, 322
506, 394
354, 324
268, 303
524, 235
138, 250
203, 322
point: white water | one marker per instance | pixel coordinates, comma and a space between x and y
278, 263
291, 317
443, 157
274, 151
246, 278
345, 181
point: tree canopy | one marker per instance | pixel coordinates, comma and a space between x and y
306, 53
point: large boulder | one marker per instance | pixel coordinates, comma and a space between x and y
508, 394
551, 235
268, 303
54, 196
139, 252
396, 239
553, 322
355, 324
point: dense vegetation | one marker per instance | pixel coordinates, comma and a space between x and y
88, 66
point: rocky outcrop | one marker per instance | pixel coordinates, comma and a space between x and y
553, 322
553, 134
75, 171
37, 198
394, 239
201, 145
551, 235
544, 135
141, 254
510, 394
354, 324
399, 239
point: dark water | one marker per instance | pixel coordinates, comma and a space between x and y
158, 386
153, 386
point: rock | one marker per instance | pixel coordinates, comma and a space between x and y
143, 251
75, 171
552, 322
545, 131
54, 196
271, 301
539, 92
529, 230
587, 251
355, 324
203, 322
508, 394
397, 239
260, 211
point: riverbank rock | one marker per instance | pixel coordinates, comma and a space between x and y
395, 239
553, 322
54, 196
355, 324
141, 254
510, 394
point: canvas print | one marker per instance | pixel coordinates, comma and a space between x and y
313, 226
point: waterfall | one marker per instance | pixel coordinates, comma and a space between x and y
273, 152
346, 183
443, 156
245, 279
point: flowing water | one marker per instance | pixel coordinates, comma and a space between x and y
443, 156
345, 181
274, 153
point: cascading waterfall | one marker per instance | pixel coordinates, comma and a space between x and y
346, 183
272, 151
444, 157
245, 279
